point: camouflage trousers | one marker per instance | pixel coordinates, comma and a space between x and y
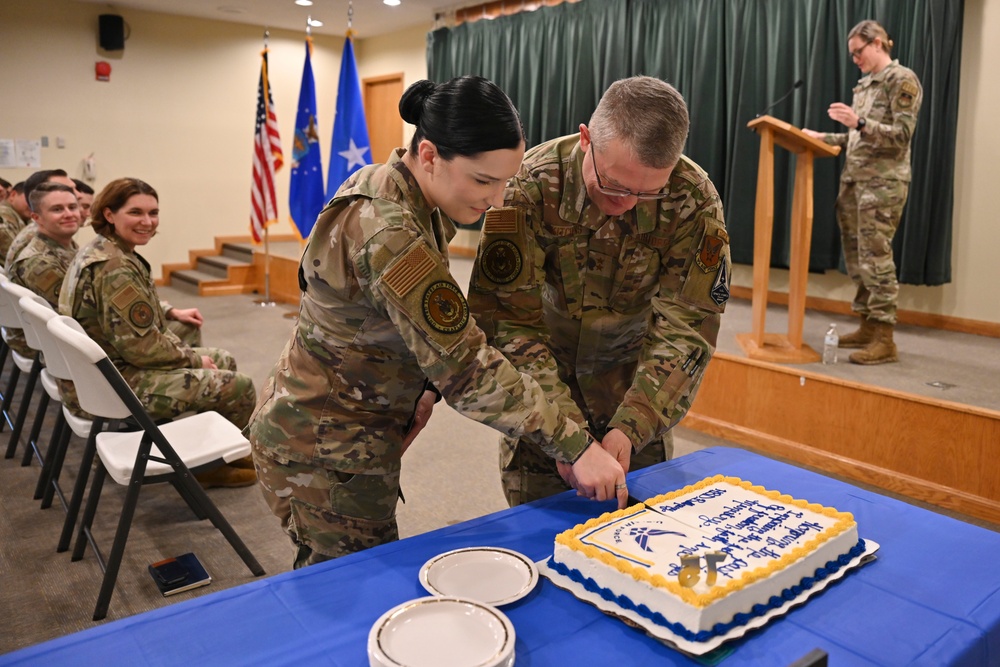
169, 393
868, 213
528, 474
189, 334
327, 513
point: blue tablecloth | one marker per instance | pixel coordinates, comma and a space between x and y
932, 597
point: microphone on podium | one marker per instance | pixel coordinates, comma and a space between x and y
797, 84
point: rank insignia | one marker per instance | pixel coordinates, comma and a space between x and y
501, 261
141, 314
711, 252
445, 307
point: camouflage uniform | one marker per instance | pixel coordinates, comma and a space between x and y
109, 290
874, 185
10, 225
380, 315
615, 318
40, 267
21, 239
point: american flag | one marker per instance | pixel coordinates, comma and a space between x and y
267, 158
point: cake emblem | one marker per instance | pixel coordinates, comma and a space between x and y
641, 534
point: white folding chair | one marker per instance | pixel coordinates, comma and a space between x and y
9, 319
35, 314
155, 454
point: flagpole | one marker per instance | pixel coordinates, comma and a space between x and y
266, 302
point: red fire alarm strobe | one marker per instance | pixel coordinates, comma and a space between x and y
103, 70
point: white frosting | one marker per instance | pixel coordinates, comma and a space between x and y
771, 542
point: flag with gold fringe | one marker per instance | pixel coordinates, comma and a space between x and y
267, 158
306, 188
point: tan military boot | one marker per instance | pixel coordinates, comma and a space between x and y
245, 463
860, 338
881, 350
226, 476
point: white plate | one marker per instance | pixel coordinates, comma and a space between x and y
700, 648
442, 632
489, 574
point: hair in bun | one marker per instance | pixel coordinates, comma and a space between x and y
465, 116
411, 104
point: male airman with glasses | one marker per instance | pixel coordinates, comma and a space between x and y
604, 277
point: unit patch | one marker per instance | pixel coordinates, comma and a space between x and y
141, 314
445, 307
501, 261
720, 289
711, 252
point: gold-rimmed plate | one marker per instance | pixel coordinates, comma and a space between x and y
442, 632
489, 574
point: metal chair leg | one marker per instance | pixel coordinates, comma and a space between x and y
52, 483
32, 450
8, 397
89, 451
22, 411
51, 455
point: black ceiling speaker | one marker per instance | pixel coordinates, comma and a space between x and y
112, 32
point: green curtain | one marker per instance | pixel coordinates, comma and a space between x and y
731, 59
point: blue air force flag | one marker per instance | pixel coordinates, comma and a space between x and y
306, 188
349, 149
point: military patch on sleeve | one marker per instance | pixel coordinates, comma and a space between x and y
501, 261
907, 93
46, 279
501, 221
407, 273
445, 307
141, 314
720, 290
124, 296
710, 254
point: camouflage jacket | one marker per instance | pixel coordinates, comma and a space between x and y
109, 290
21, 239
380, 314
889, 102
40, 266
615, 317
10, 225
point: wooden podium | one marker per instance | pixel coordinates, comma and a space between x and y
779, 347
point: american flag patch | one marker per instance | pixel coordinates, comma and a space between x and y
410, 270
501, 221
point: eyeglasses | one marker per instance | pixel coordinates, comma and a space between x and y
621, 192
857, 53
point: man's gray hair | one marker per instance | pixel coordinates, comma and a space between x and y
648, 115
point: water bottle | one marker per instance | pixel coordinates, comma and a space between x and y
830, 343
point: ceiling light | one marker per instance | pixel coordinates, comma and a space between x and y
304, 3
391, 3
316, 23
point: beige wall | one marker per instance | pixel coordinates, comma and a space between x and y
178, 112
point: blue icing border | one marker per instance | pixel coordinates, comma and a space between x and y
739, 619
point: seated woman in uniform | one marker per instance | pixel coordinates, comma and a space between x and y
383, 328
109, 290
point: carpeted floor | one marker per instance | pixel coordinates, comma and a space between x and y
449, 474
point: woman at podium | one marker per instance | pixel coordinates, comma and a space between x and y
874, 183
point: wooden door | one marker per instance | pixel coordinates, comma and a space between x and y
385, 127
